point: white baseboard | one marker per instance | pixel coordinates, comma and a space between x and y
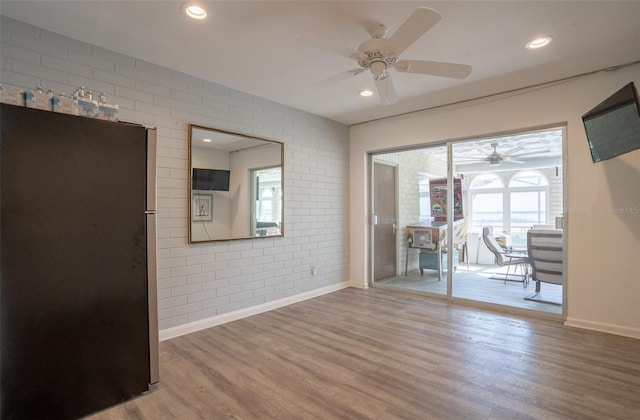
202, 324
603, 327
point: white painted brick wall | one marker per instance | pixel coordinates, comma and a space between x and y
201, 281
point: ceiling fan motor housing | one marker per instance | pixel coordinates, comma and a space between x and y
376, 50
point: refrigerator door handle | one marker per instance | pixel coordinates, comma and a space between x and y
152, 281
151, 170
154, 362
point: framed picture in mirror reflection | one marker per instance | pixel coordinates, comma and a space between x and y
202, 207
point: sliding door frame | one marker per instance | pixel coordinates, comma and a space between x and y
450, 244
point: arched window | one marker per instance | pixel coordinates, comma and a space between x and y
528, 203
486, 181
487, 192
512, 209
528, 179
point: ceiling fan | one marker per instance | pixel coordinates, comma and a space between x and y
380, 54
495, 158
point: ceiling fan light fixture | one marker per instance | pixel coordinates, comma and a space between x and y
378, 67
540, 42
194, 11
365, 93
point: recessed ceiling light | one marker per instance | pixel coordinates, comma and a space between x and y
365, 93
194, 11
206, 140
539, 42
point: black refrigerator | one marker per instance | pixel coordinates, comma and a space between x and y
78, 302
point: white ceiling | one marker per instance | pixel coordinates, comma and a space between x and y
251, 46
220, 140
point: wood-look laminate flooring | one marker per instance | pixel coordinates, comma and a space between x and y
380, 354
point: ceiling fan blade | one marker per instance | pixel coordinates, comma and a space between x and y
468, 158
478, 149
338, 78
434, 68
323, 44
386, 91
465, 161
420, 21
531, 152
510, 152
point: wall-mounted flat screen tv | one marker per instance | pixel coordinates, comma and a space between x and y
210, 179
613, 126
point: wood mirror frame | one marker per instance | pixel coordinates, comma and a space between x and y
235, 186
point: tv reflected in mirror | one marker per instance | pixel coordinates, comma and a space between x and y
210, 179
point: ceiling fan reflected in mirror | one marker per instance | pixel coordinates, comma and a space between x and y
381, 54
495, 158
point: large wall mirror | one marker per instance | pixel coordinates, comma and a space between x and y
236, 186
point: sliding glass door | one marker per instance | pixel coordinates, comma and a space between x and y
513, 184
470, 244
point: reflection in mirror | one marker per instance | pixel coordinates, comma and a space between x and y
266, 187
236, 186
